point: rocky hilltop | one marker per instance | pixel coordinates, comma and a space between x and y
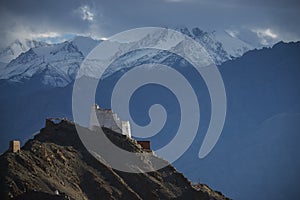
56, 165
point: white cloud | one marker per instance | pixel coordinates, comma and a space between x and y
266, 33
44, 35
267, 36
24, 33
86, 13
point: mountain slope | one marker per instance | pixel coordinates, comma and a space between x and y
56, 160
257, 156
219, 44
17, 47
257, 152
60, 62
232, 45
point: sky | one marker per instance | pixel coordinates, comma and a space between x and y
55, 21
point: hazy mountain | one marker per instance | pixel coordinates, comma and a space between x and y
258, 152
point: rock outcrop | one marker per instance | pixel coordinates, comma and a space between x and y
56, 165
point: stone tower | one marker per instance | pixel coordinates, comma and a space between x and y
14, 146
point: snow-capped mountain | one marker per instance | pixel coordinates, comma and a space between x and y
220, 45
232, 45
84, 44
59, 63
168, 40
17, 47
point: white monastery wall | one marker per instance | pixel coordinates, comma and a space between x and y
106, 118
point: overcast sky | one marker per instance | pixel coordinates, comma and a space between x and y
55, 20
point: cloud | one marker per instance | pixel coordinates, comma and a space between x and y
265, 33
266, 36
45, 35
48, 20
257, 37
86, 13
34, 18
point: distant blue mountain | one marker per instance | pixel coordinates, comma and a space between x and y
257, 156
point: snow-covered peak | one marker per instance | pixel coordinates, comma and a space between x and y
17, 47
84, 44
161, 38
57, 64
232, 45
61, 51
219, 44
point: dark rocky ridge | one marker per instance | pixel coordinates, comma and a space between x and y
57, 160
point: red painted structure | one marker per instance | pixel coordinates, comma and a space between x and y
145, 145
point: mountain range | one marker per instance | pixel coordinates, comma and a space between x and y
256, 156
17, 47
60, 62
